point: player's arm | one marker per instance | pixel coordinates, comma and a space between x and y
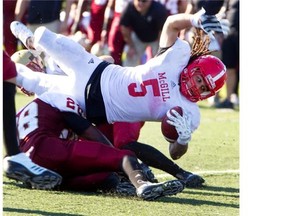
84, 128
175, 23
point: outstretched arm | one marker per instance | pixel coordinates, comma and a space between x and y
84, 128
175, 23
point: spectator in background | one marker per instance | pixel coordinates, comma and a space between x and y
43, 13
77, 20
176, 6
141, 23
114, 36
230, 56
9, 40
212, 7
16, 164
97, 10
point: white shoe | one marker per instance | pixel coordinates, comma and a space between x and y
152, 191
21, 168
20, 31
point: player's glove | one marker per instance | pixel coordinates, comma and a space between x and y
225, 25
182, 126
209, 23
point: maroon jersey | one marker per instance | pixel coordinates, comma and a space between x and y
45, 136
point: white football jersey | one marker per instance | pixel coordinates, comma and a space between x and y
131, 94
146, 92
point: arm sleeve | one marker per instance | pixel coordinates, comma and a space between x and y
77, 123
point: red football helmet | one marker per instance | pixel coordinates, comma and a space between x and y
213, 72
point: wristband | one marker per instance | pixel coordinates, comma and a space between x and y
183, 141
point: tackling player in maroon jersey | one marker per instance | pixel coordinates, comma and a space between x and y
46, 130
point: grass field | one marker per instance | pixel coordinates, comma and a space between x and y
213, 153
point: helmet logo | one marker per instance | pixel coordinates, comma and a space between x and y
209, 78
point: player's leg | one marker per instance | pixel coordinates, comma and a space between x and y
84, 157
87, 156
116, 42
230, 56
126, 136
70, 56
106, 182
154, 158
127, 132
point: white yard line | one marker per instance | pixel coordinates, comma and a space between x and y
207, 172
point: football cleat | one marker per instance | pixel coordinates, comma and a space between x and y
152, 191
148, 173
115, 184
125, 189
20, 31
191, 180
29, 173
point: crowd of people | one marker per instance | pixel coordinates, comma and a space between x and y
108, 121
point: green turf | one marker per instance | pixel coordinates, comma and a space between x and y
214, 147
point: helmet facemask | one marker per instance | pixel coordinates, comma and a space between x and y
188, 86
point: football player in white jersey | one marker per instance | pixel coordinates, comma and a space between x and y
123, 135
178, 75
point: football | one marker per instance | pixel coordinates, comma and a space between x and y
169, 132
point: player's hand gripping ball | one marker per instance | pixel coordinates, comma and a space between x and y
169, 131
